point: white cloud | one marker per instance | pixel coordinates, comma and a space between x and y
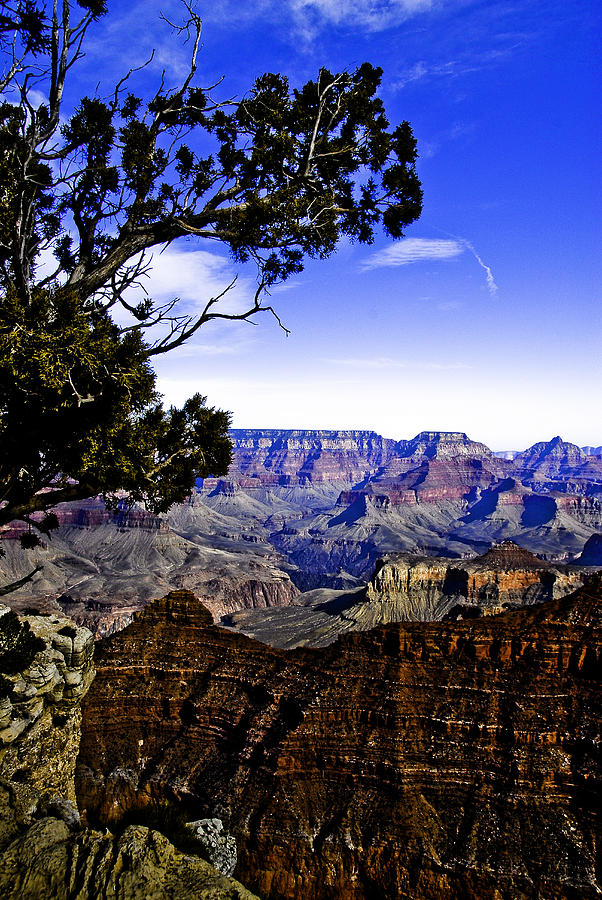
194, 276
413, 250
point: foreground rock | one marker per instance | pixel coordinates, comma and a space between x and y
46, 853
424, 760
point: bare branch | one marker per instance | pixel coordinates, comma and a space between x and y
15, 585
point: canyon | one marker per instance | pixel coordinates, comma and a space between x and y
409, 588
301, 511
359, 667
417, 760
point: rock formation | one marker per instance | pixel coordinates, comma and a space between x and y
422, 760
295, 457
46, 850
505, 576
308, 509
592, 552
592, 451
99, 572
558, 465
409, 588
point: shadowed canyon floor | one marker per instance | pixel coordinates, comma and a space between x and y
415, 760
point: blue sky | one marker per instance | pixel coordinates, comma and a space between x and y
487, 318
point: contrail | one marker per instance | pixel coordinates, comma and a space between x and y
488, 273
491, 285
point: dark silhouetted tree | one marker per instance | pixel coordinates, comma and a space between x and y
276, 177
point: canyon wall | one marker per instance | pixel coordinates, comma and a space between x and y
506, 576
272, 456
419, 761
410, 588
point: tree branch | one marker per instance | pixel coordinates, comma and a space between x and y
15, 585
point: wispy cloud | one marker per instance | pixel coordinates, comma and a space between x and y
387, 362
423, 70
413, 250
375, 15
286, 286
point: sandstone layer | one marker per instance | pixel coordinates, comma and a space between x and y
505, 576
420, 761
46, 850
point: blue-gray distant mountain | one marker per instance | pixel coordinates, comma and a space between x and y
592, 451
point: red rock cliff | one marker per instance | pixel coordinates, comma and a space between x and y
456, 760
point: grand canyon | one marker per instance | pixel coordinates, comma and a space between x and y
374, 664
304, 510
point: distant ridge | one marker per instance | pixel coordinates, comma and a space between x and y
318, 434
592, 451
312, 508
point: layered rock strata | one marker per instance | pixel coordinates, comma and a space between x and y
320, 507
418, 761
99, 573
273, 456
46, 850
410, 588
505, 576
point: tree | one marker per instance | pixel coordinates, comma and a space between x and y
288, 172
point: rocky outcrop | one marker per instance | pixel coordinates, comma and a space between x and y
550, 458
219, 846
101, 575
46, 850
92, 513
47, 691
48, 861
592, 552
558, 465
424, 760
592, 451
505, 576
411, 588
224, 595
